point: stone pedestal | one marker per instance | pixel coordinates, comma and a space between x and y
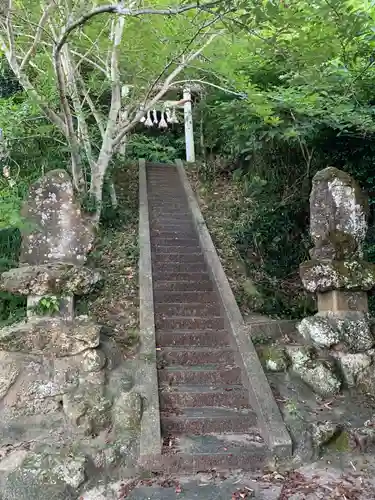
342, 301
62, 385
341, 333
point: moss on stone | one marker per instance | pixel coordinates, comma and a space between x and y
274, 358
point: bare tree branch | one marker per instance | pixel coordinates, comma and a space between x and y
165, 87
38, 34
118, 9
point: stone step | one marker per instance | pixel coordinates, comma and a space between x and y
195, 356
186, 297
208, 420
177, 234
226, 489
212, 452
186, 228
179, 267
192, 276
158, 206
209, 338
190, 323
170, 222
180, 286
200, 375
181, 396
160, 241
163, 192
175, 217
189, 309
158, 211
179, 258
180, 249
160, 199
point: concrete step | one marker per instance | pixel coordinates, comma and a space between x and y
189, 323
173, 222
178, 234
203, 338
179, 267
175, 227
184, 296
155, 210
189, 309
200, 375
179, 258
208, 420
195, 356
198, 276
225, 490
181, 286
166, 203
175, 217
157, 241
181, 396
180, 249
219, 452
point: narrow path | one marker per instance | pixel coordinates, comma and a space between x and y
207, 419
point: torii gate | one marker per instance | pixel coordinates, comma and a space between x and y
186, 102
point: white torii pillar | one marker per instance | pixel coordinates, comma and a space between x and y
189, 131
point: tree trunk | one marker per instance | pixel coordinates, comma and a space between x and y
112, 193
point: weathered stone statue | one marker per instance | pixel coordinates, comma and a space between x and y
342, 330
65, 405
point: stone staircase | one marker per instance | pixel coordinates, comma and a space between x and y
207, 418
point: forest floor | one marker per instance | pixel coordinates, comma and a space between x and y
116, 304
228, 212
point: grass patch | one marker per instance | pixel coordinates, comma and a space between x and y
116, 304
259, 287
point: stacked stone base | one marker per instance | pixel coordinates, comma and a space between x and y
68, 407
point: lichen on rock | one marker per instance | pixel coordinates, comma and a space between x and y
52, 336
352, 366
323, 276
54, 278
274, 358
316, 373
352, 331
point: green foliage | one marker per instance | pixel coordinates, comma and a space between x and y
47, 305
306, 108
159, 148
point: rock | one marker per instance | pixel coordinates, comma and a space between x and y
366, 381
71, 471
127, 411
45, 476
88, 409
351, 330
9, 371
93, 360
25, 485
352, 366
74, 406
51, 336
274, 358
323, 432
55, 278
13, 461
59, 230
324, 276
318, 374
319, 330
338, 216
